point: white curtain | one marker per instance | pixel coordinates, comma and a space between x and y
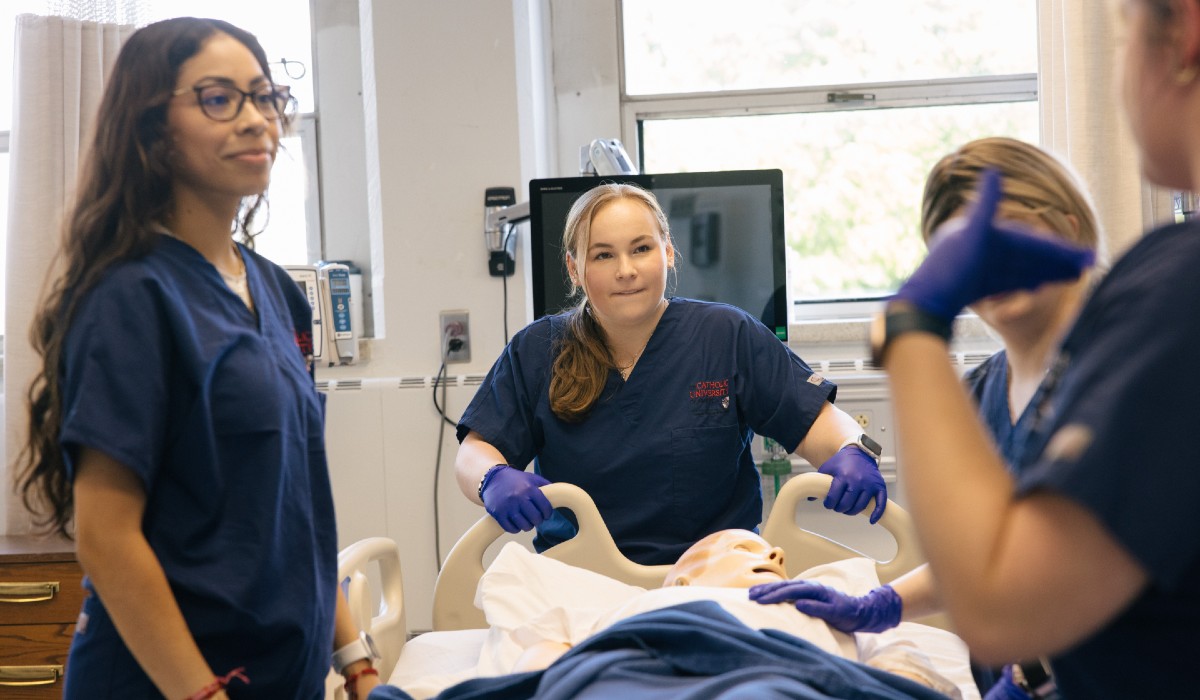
59, 74
1082, 119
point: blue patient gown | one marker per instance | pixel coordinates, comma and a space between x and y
213, 408
666, 454
692, 651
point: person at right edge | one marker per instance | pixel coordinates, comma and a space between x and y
1090, 554
1040, 192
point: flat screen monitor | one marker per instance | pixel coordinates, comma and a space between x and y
727, 228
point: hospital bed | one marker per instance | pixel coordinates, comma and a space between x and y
376, 598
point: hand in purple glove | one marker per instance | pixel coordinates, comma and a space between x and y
1005, 688
976, 256
856, 480
876, 611
514, 499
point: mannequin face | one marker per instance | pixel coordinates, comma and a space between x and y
729, 559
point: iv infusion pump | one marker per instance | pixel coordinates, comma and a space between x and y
327, 287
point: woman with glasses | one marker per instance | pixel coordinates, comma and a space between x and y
175, 429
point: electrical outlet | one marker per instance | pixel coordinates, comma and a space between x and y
454, 336
863, 418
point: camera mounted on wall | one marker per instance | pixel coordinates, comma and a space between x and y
502, 213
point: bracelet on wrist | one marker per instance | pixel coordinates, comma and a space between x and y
219, 683
483, 481
353, 679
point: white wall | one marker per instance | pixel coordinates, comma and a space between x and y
423, 106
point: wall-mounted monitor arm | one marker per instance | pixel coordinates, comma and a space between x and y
510, 215
501, 240
600, 157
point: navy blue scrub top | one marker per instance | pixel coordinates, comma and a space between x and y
988, 385
213, 406
1115, 430
666, 454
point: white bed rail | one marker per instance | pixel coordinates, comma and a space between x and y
377, 607
806, 549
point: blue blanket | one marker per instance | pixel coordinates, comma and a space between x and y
693, 651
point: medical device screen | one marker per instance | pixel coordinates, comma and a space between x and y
727, 228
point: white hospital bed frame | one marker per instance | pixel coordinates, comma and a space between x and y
593, 548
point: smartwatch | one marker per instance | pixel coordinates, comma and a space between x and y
864, 442
895, 322
361, 648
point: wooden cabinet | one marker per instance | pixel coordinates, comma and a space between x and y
40, 597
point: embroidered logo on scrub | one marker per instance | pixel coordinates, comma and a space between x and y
1069, 443
709, 394
304, 341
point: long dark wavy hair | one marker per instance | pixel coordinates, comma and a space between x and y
124, 189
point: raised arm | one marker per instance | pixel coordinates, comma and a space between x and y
1020, 577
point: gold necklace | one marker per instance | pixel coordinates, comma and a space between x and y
239, 265
625, 370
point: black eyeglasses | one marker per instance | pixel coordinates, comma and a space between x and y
223, 103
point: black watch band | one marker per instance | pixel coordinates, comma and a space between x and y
893, 323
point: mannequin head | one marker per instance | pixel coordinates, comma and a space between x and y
730, 559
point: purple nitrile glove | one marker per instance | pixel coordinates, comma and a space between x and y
976, 256
513, 498
1005, 688
876, 611
856, 480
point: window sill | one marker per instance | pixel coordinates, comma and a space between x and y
843, 347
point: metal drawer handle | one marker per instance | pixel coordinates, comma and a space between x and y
30, 675
27, 592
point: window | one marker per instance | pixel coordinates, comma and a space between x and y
8, 18
292, 234
853, 100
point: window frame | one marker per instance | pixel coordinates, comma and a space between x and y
960, 91
304, 127
1021, 87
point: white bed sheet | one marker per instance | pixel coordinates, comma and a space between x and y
528, 598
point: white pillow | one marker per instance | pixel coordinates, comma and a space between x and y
527, 597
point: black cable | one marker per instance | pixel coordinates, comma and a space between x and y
451, 346
508, 232
441, 373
